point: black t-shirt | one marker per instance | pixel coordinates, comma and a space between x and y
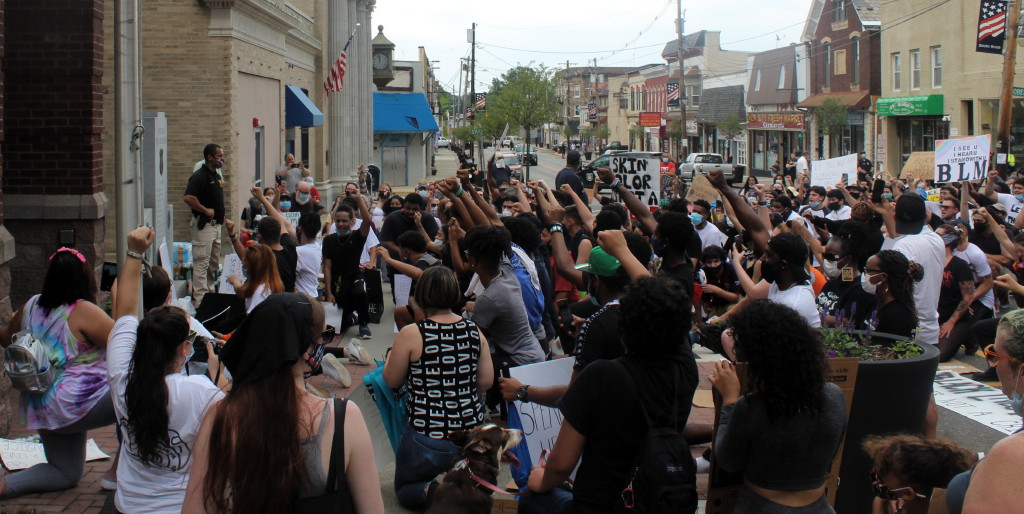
344, 253
397, 223
988, 244
604, 405
302, 208
599, 337
208, 188
569, 176
725, 279
287, 259
848, 300
896, 319
956, 271
683, 273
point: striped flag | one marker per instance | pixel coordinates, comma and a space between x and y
336, 77
481, 101
991, 26
592, 111
673, 94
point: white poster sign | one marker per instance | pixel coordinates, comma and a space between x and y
540, 423
830, 172
966, 158
25, 453
641, 176
974, 400
232, 267
292, 217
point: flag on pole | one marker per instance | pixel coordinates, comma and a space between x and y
673, 94
481, 101
991, 26
592, 111
336, 76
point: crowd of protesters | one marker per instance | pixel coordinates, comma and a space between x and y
515, 273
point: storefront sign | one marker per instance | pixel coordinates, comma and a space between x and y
962, 159
775, 121
650, 119
924, 105
855, 118
1018, 91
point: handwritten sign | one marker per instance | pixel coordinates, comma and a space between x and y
966, 158
540, 423
829, 172
25, 453
232, 267
292, 217
701, 189
974, 400
919, 165
641, 176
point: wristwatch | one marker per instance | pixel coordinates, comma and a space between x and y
523, 393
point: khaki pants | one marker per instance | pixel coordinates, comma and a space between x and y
205, 259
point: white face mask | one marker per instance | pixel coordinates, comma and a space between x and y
865, 283
831, 268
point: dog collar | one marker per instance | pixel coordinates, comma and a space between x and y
464, 464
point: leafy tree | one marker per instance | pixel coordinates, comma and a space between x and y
832, 117
675, 130
463, 133
731, 127
637, 133
603, 132
567, 132
526, 95
490, 123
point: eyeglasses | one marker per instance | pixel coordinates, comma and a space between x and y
992, 358
885, 492
947, 207
192, 334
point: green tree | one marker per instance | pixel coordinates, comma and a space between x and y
832, 117
463, 133
731, 127
490, 123
636, 133
527, 95
567, 132
603, 132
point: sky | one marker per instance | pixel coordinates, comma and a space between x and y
548, 32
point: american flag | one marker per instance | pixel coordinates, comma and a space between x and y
673, 94
481, 101
592, 111
336, 77
993, 19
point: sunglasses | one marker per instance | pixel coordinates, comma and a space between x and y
992, 358
887, 493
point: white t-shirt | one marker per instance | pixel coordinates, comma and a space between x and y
262, 293
927, 250
710, 235
158, 487
801, 165
1013, 205
376, 216
842, 214
800, 298
371, 239
978, 262
307, 268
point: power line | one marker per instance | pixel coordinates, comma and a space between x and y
617, 14
565, 52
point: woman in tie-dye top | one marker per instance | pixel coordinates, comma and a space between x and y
75, 331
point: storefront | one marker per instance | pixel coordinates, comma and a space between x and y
912, 124
773, 136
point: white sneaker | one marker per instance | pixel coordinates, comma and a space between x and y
703, 465
335, 370
357, 354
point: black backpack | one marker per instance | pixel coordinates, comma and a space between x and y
665, 476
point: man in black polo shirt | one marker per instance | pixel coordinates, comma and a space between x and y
205, 196
400, 222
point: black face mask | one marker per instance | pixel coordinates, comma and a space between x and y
834, 206
769, 272
980, 225
713, 270
658, 245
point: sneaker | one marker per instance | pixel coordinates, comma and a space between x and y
107, 484
357, 354
988, 375
364, 331
335, 370
703, 465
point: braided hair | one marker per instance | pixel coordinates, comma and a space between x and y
902, 274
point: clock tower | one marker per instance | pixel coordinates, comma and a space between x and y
383, 62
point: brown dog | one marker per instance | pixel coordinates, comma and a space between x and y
483, 448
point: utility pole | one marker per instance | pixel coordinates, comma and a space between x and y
682, 85
479, 158
460, 108
1006, 99
568, 88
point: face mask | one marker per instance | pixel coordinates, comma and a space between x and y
814, 205
728, 222
658, 245
696, 219
286, 205
664, 159
769, 273
433, 211
1020, 198
867, 285
778, 182
713, 270
422, 193
302, 198
888, 196
1016, 400
834, 206
831, 268
980, 225
439, 244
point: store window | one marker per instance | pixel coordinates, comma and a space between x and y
919, 135
827, 51
897, 73
915, 69
782, 77
850, 141
741, 152
936, 52
855, 76
839, 14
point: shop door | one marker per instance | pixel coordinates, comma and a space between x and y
394, 166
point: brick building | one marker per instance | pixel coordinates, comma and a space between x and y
775, 127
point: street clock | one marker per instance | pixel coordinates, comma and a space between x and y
383, 64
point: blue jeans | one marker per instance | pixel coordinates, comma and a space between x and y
419, 460
554, 501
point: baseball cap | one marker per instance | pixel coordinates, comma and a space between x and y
792, 249
910, 214
601, 264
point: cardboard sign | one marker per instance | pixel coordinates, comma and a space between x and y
830, 172
232, 267
701, 189
974, 400
292, 217
25, 453
920, 165
966, 158
540, 423
641, 176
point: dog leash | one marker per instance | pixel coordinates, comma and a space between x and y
464, 464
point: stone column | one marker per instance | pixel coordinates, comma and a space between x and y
365, 151
353, 83
337, 23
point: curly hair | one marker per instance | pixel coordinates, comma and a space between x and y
654, 317
488, 244
524, 231
923, 463
853, 239
902, 274
785, 357
675, 228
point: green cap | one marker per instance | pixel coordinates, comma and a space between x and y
601, 264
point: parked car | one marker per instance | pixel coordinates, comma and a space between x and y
614, 145
511, 162
705, 162
509, 142
529, 159
443, 142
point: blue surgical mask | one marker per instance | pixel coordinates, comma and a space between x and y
304, 197
814, 205
286, 204
1020, 198
923, 193
888, 196
1016, 401
696, 219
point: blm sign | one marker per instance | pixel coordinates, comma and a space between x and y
966, 158
640, 175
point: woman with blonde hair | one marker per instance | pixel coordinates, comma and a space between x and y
263, 280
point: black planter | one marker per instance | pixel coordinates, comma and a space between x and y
889, 397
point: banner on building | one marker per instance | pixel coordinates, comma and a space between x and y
673, 94
991, 26
650, 119
592, 112
829, 172
966, 158
775, 120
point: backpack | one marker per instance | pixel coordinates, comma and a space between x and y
27, 361
665, 476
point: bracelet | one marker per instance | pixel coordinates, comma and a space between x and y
555, 227
233, 236
616, 183
136, 255
459, 192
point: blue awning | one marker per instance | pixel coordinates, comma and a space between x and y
299, 110
402, 113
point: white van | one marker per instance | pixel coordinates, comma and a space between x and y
510, 141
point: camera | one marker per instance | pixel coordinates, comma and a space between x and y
295, 165
199, 348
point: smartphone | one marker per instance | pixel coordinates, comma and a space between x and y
565, 314
877, 190
295, 165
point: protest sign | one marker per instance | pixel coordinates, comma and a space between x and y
966, 158
25, 453
830, 172
640, 175
540, 423
974, 400
701, 189
293, 217
919, 165
232, 266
